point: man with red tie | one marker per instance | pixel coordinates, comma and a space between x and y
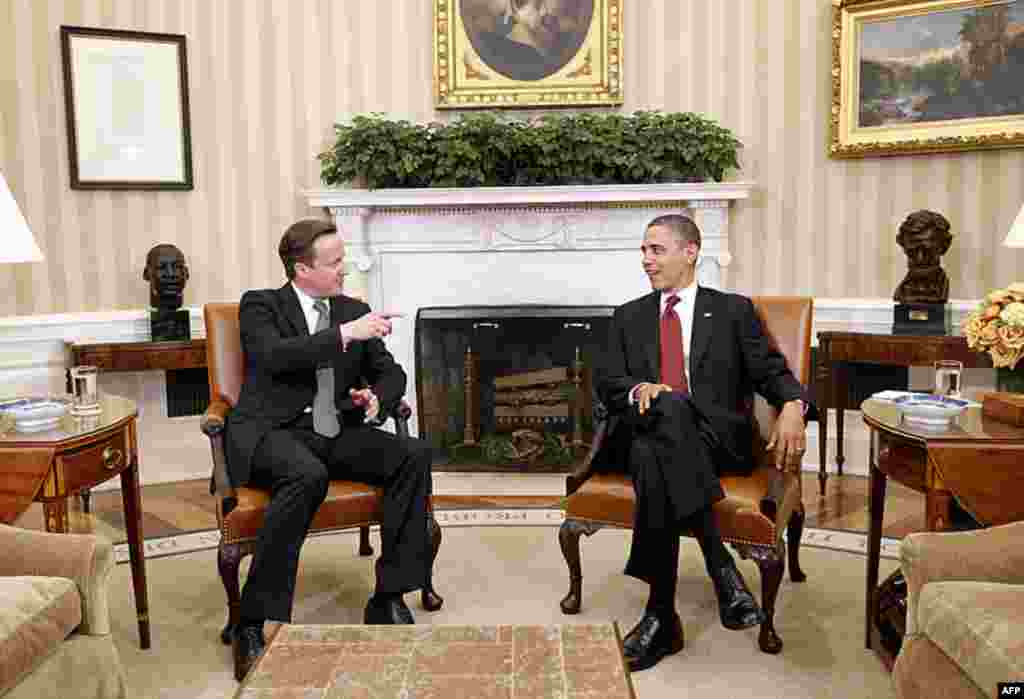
681, 365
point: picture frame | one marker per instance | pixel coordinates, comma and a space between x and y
127, 106
527, 53
926, 76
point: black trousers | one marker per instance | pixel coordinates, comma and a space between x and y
671, 462
296, 465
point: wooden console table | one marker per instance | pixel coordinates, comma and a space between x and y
141, 356
977, 460
837, 349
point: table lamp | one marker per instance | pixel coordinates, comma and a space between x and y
19, 245
1015, 238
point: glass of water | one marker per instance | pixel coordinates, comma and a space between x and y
85, 390
947, 377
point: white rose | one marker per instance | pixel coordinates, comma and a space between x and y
1013, 314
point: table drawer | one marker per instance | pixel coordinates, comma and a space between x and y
95, 463
906, 463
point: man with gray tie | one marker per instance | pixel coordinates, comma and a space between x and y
301, 420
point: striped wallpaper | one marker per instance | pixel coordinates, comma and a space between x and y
268, 78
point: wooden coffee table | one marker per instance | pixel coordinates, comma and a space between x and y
484, 662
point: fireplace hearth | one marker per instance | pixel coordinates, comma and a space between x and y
508, 388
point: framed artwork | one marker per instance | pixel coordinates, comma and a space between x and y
527, 53
126, 98
925, 76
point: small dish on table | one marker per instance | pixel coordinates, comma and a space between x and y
35, 413
928, 410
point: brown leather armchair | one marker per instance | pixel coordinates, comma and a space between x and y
756, 509
240, 511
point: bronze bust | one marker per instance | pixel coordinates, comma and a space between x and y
925, 238
167, 273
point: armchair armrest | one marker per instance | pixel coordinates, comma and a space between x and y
401, 413
212, 422
579, 476
86, 559
991, 555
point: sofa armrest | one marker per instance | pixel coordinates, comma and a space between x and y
988, 555
87, 559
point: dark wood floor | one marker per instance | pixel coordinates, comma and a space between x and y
176, 508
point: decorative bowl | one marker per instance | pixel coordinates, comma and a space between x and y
35, 413
929, 410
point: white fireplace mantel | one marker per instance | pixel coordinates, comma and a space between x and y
490, 219
435, 197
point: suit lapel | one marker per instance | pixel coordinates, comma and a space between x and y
648, 333
702, 323
292, 309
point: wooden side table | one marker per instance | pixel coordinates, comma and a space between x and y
837, 349
977, 460
82, 452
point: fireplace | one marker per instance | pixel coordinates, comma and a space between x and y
500, 247
508, 388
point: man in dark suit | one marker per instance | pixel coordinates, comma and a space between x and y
301, 420
680, 367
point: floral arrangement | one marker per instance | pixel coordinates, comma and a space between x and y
997, 327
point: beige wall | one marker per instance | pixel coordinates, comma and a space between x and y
268, 78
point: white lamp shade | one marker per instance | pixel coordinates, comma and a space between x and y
1015, 238
16, 241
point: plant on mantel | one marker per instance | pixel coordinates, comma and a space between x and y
485, 150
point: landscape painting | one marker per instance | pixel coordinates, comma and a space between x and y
944, 75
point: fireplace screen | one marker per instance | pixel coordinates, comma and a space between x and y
508, 388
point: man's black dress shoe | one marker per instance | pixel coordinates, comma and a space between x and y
390, 610
651, 640
247, 645
736, 605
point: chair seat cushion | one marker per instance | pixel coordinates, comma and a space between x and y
348, 504
38, 614
979, 625
608, 498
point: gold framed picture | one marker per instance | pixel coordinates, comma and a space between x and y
527, 53
926, 76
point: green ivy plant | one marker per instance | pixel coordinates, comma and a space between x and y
485, 150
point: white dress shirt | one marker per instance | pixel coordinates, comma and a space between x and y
684, 309
307, 302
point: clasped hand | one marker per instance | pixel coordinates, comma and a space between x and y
788, 437
646, 393
367, 399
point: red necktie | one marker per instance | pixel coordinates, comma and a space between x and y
672, 356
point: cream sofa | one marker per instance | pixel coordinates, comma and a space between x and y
54, 623
965, 613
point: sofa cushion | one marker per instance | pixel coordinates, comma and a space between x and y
979, 625
36, 615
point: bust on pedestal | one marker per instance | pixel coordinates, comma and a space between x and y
167, 273
922, 296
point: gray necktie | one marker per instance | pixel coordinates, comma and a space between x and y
325, 414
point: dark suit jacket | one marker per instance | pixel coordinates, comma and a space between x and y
281, 358
729, 357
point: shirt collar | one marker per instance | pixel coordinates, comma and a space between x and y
686, 295
305, 300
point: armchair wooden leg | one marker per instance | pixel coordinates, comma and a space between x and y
429, 598
229, 556
569, 539
794, 533
772, 566
364, 541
